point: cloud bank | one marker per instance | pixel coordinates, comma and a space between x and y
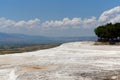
112, 15
35, 26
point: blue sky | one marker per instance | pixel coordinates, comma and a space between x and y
54, 17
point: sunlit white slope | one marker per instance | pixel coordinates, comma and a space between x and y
70, 61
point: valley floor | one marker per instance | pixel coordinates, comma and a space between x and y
26, 48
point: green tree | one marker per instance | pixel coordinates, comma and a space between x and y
108, 32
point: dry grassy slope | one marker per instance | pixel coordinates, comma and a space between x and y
27, 49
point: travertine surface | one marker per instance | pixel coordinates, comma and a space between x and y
70, 61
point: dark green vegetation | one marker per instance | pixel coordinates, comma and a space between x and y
26, 48
108, 33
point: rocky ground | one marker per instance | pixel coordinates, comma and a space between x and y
70, 61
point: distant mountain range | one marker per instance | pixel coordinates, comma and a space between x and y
7, 38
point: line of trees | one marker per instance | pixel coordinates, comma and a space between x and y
108, 32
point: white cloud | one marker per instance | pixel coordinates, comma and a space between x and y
10, 26
89, 22
66, 22
20, 23
112, 15
36, 26
6, 22
28, 24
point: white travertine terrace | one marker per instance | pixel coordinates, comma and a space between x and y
70, 61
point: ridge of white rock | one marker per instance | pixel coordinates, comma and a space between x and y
70, 61
12, 75
7, 74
